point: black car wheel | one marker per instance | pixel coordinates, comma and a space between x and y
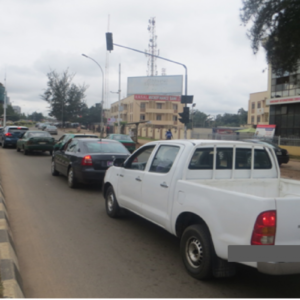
72, 182
18, 149
111, 204
50, 152
53, 168
197, 252
3, 144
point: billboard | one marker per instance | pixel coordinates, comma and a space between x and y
155, 85
266, 131
157, 98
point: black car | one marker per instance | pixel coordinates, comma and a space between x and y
282, 154
11, 134
85, 160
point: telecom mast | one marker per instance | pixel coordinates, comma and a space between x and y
152, 49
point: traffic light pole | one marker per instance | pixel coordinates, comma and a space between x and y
169, 60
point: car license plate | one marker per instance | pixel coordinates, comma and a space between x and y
109, 163
42, 142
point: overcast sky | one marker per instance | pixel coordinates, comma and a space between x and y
37, 36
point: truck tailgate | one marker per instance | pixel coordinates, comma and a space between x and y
288, 221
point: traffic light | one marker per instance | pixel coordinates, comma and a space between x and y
185, 115
109, 41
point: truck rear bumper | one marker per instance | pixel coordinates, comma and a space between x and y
279, 268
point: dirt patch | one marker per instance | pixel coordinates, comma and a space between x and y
291, 170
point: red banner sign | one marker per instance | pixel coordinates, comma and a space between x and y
157, 98
282, 100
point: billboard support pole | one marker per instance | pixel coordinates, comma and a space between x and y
169, 60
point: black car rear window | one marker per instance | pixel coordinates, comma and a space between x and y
104, 147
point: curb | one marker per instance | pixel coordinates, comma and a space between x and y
9, 266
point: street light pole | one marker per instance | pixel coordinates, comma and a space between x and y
102, 102
119, 92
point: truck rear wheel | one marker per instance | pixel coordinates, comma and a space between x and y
197, 251
111, 204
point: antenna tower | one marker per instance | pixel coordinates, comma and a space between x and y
152, 49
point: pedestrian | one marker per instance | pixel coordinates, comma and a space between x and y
107, 131
169, 134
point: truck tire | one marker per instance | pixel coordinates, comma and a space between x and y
197, 252
111, 204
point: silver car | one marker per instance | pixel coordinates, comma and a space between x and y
51, 129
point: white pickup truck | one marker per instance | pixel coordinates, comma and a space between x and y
212, 195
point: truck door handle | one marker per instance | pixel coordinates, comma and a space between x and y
121, 175
138, 179
164, 185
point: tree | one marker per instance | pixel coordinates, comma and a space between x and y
276, 24
243, 115
64, 97
198, 119
37, 117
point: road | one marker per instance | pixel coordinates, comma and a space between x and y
68, 247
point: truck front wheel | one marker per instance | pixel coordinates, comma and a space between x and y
197, 252
112, 207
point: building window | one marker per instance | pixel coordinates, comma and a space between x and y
142, 117
252, 120
174, 118
175, 107
158, 117
252, 107
143, 106
258, 119
159, 105
258, 104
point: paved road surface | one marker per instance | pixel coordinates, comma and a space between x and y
68, 247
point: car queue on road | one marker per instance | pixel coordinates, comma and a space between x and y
82, 158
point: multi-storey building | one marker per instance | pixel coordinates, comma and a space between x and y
161, 111
284, 102
258, 111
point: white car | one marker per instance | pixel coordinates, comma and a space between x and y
51, 129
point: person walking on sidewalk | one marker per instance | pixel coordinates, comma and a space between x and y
169, 135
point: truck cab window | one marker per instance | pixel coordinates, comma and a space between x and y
164, 159
202, 159
139, 160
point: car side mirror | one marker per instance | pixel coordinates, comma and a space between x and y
119, 162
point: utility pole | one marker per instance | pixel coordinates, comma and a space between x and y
4, 103
119, 92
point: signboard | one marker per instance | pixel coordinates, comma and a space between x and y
155, 85
266, 131
282, 100
157, 98
111, 121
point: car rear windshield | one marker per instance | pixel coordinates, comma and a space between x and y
39, 134
17, 131
104, 147
122, 137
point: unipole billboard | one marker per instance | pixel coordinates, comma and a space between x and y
155, 85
